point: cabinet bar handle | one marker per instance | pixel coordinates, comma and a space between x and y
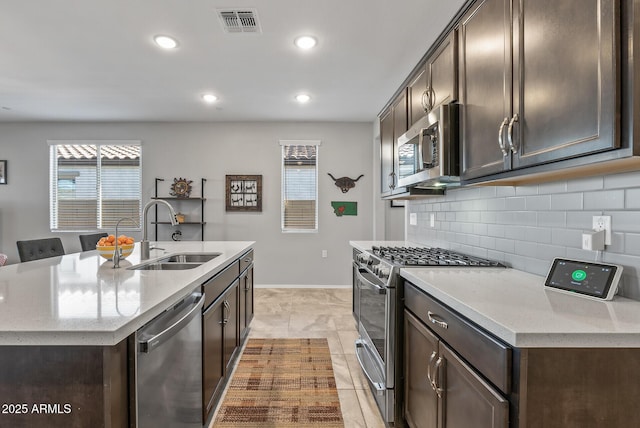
514, 119
437, 387
504, 123
429, 377
435, 319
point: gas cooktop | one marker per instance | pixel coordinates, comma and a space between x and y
428, 256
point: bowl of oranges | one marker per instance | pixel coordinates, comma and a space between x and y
107, 245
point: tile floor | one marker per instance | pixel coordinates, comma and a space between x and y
298, 312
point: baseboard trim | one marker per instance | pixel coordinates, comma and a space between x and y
310, 286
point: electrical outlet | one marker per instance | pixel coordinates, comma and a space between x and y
603, 222
432, 220
324, 254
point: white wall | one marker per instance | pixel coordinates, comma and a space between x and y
211, 150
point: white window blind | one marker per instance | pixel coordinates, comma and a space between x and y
299, 186
94, 183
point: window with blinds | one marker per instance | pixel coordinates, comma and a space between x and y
93, 184
299, 186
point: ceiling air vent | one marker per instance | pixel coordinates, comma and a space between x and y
239, 20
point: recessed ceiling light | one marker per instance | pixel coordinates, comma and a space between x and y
303, 98
165, 42
305, 42
209, 98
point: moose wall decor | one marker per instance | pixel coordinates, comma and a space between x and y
345, 183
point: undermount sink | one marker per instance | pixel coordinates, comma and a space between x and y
167, 266
178, 262
190, 258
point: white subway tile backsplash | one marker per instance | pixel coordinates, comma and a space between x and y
526, 190
567, 202
538, 203
582, 184
515, 203
552, 219
632, 199
621, 181
526, 227
606, 200
632, 244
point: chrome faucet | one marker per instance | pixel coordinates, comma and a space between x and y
117, 252
144, 244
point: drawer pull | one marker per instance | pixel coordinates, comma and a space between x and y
435, 319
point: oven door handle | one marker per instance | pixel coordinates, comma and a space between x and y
366, 282
379, 386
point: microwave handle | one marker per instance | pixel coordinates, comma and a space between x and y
427, 156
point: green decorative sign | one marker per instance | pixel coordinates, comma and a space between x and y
344, 208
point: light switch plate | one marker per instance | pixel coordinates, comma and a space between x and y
432, 220
413, 219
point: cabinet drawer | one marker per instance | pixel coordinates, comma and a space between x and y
489, 356
245, 260
213, 287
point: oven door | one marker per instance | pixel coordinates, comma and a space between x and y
374, 348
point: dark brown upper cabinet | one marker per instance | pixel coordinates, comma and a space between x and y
393, 123
435, 82
538, 82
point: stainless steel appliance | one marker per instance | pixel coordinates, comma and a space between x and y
428, 153
169, 367
378, 294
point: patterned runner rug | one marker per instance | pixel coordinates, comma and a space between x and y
282, 383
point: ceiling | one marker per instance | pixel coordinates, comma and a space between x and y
95, 60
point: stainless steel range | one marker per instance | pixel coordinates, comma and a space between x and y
377, 308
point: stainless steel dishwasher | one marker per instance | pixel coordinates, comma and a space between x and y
169, 367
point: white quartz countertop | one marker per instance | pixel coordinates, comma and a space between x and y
514, 306
78, 299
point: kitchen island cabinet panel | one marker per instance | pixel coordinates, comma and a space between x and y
64, 386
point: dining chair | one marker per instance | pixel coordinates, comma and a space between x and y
36, 249
88, 242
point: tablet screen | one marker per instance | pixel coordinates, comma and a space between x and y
592, 279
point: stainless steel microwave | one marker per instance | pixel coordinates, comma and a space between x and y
428, 153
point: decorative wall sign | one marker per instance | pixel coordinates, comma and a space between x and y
244, 193
344, 208
3, 172
345, 183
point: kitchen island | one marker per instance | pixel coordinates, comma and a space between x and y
65, 329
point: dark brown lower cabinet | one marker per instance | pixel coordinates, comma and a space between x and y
245, 306
441, 390
218, 346
458, 375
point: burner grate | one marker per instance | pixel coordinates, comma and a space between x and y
431, 256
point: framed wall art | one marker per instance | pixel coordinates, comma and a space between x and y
3, 172
244, 193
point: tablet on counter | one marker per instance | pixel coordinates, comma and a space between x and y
585, 279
